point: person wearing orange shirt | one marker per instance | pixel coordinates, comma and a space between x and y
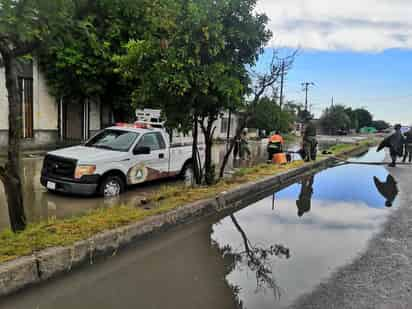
275, 145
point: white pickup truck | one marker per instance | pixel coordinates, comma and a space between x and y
114, 159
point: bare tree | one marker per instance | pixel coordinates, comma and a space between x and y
263, 82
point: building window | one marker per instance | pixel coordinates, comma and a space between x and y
26, 97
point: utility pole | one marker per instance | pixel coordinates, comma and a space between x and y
282, 79
306, 86
332, 104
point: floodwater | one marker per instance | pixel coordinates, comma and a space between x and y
263, 256
41, 205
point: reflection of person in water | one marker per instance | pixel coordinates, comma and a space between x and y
305, 196
388, 189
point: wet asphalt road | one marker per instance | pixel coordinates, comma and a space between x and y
381, 277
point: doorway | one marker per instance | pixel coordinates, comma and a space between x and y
26, 95
74, 120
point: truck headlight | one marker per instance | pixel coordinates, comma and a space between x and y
84, 170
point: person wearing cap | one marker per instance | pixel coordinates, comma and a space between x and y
275, 145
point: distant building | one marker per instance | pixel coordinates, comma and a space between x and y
226, 125
48, 120
149, 115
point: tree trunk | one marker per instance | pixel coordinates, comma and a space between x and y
208, 133
239, 131
195, 152
10, 174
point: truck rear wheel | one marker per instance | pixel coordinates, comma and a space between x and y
111, 186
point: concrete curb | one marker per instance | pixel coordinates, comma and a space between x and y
26, 271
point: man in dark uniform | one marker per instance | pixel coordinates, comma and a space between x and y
396, 142
408, 146
309, 142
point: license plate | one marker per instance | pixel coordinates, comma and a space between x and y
51, 185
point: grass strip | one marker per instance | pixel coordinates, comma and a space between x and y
340, 149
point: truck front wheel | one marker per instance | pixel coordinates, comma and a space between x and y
111, 186
188, 174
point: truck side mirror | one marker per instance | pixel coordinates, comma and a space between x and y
141, 151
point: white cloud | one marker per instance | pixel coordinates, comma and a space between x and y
358, 25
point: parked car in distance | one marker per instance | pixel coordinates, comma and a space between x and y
114, 159
342, 132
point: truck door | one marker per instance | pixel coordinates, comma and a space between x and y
151, 166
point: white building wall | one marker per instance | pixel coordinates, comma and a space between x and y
222, 126
4, 108
45, 105
94, 116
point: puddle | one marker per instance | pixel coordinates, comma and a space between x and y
263, 256
324, 221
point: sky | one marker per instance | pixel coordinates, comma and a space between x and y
358, 51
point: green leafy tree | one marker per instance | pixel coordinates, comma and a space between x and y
304, 116
270, 117
354, 122
24, 26
79, 63
380, 125
364, 117
200, 68
335, 118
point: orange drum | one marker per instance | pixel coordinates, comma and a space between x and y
279, 158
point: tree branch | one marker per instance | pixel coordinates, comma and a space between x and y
25, 48
4, 46
2, 173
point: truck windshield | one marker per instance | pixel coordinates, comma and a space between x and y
117, 140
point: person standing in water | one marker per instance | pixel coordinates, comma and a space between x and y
309, 142
244, 146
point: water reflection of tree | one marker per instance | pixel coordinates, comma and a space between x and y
257, 259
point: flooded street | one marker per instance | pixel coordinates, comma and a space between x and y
263, 256
325, 221
41, 205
